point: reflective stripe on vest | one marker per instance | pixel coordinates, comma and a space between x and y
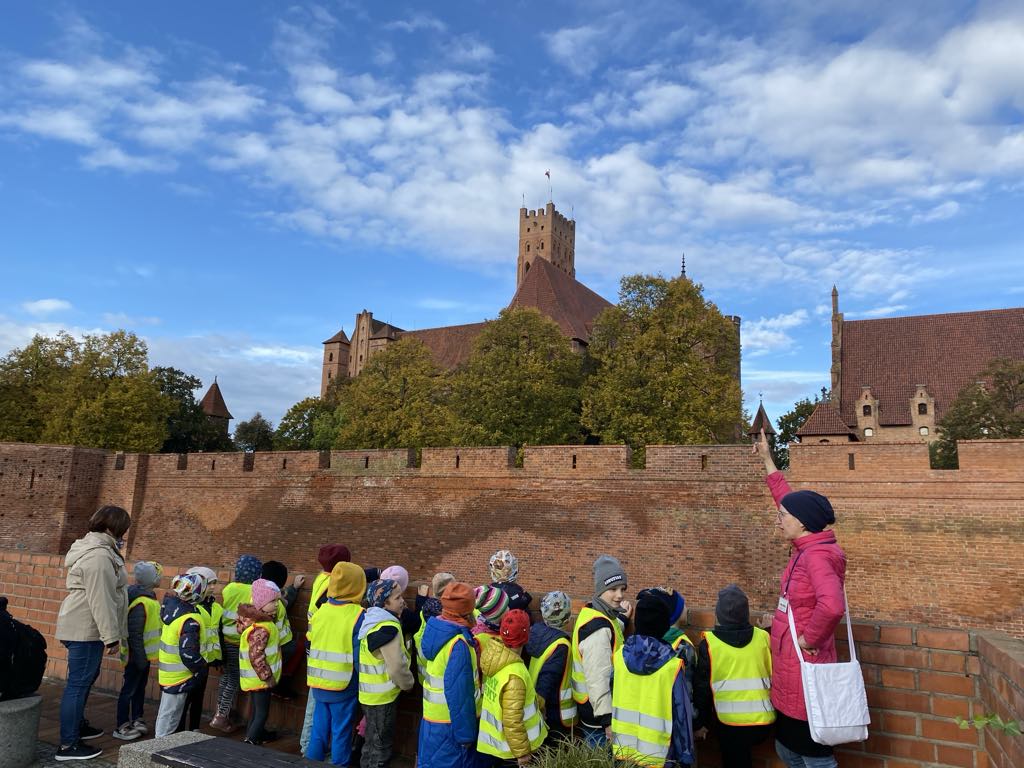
151, 630
642, 712
566, 703
172, 670
435, 704
320, 584
210, 624
741, 679
375, 684
284, 624
331, 653
417, 641
491, 736
579, 680
234, 595
247, 676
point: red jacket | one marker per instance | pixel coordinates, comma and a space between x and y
815, 576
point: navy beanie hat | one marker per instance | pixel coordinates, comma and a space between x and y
810, 508
276, 572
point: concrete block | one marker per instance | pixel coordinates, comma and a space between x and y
19, 730
138, 754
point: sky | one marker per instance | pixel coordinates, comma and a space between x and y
234, 181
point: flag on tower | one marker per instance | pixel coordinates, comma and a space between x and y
548, 174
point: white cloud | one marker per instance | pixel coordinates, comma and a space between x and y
942, 211
576, 48
43, 307
417, 23
123, 320
117, 158
891, 309
770, 334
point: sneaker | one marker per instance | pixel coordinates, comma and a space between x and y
255, 742
77, 752
266, 736
222, 724
87, 732
126, 732
141, 727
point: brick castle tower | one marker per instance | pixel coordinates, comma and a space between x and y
546, 234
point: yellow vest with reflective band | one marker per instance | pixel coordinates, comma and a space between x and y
210, 631
331, 653
320, 584
234, 595
417, 641
642, 712
284, 624
566, 703
491, 737
741, 680
152, 629
248, 678
579, 680
680, 640
375, 684
172, 670
435, 705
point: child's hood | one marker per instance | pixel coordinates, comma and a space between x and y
174, 607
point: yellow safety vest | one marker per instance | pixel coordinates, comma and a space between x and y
491, 736
417, 641
211, 631
579, 680
172, 670
248, 678
375, 684
642, 712
331, 653
153, 627
680, 640
320, 584
435, 705
234, 595
566, 703
284, 625
741, 680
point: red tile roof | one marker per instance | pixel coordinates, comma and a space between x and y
824, 421
213, 403
761, 421
943, 352
339, 336
450, 345
562, 298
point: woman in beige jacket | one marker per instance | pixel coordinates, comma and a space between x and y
93, 620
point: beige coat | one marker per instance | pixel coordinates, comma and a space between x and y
96, 607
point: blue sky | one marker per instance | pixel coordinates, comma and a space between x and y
235, 181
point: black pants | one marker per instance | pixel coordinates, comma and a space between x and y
258, 719
133, 694
380, 735
192, 714
735, 742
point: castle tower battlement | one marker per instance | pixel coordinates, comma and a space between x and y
546, 234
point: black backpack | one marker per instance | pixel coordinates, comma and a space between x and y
25, 652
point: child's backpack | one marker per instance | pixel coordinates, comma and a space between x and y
26, 658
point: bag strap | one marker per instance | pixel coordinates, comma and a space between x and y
849, 630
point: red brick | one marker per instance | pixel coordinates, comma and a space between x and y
956, 756
936, 682
951, 640
901, 701
850, 760
899, 678
896, 635
895, 746
894, 657
903, 725
948, 730
951, 707
947, 662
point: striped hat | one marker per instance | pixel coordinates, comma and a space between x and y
492, 603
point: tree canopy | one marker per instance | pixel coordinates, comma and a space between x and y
789, 423
256, 434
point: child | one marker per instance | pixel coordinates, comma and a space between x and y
648, 687
738, 652
259, 655
384, 669
548, 649
210, 612
331, 666
181, 661
491, 605
675, 636
504, 568
428, 606
278, 573
511, 725
239, 591
144, 628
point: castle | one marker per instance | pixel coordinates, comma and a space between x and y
545, 280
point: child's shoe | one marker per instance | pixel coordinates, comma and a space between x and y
126, 732
141, 727
222, 724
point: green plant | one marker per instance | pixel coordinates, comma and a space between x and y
1012, 727
572, 755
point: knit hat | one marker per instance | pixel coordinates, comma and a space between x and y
651, 617
379, 591
247, 569
439, 582
264, 591
372, 574
492, 604
732, 608
431, 607
207, 573
189, 587
276, 572
675, 602
608, 574
504, 566
515, 628
517, 596
332, 554
397, 573
147, 573
810, 508
458, 602
555, 609
348, 582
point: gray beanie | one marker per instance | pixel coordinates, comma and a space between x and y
608, 574
147, 573
733, 608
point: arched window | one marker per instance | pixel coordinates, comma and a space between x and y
330, 357
923, 431
328, 374
869, 432
542, 246
867, 410
527, 247
922, 409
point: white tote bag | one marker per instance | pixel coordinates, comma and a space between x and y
837, 705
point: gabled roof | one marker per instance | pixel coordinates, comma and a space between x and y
381, 330
825, 421
213, 403
562, 298
339, 336
450, 345
943, 352
761, 421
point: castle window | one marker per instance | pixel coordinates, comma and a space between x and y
869, 432
923, 431
330, 357
867, 410
541, 227
542, 246
328, 374
922, 409
527, 247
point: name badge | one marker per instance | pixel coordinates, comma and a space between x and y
783, 606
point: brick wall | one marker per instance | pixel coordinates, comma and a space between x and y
1002, 692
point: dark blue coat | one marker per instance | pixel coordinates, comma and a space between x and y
450, 745
549, 681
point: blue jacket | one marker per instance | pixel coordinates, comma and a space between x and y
644, 655
450, 745
189, 646
352, 689
549, 681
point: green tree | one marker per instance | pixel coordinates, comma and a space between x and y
130, 414
992, 409
789, 423
666, 363
188, 428
520, 385
256, 434
30, 379
296, 430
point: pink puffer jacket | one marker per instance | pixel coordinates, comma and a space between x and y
815, 575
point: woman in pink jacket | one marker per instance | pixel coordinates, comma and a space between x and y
812, 585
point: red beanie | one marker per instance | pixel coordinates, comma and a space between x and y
332, 554
515, 628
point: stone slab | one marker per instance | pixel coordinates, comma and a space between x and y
139, 754
19, 731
